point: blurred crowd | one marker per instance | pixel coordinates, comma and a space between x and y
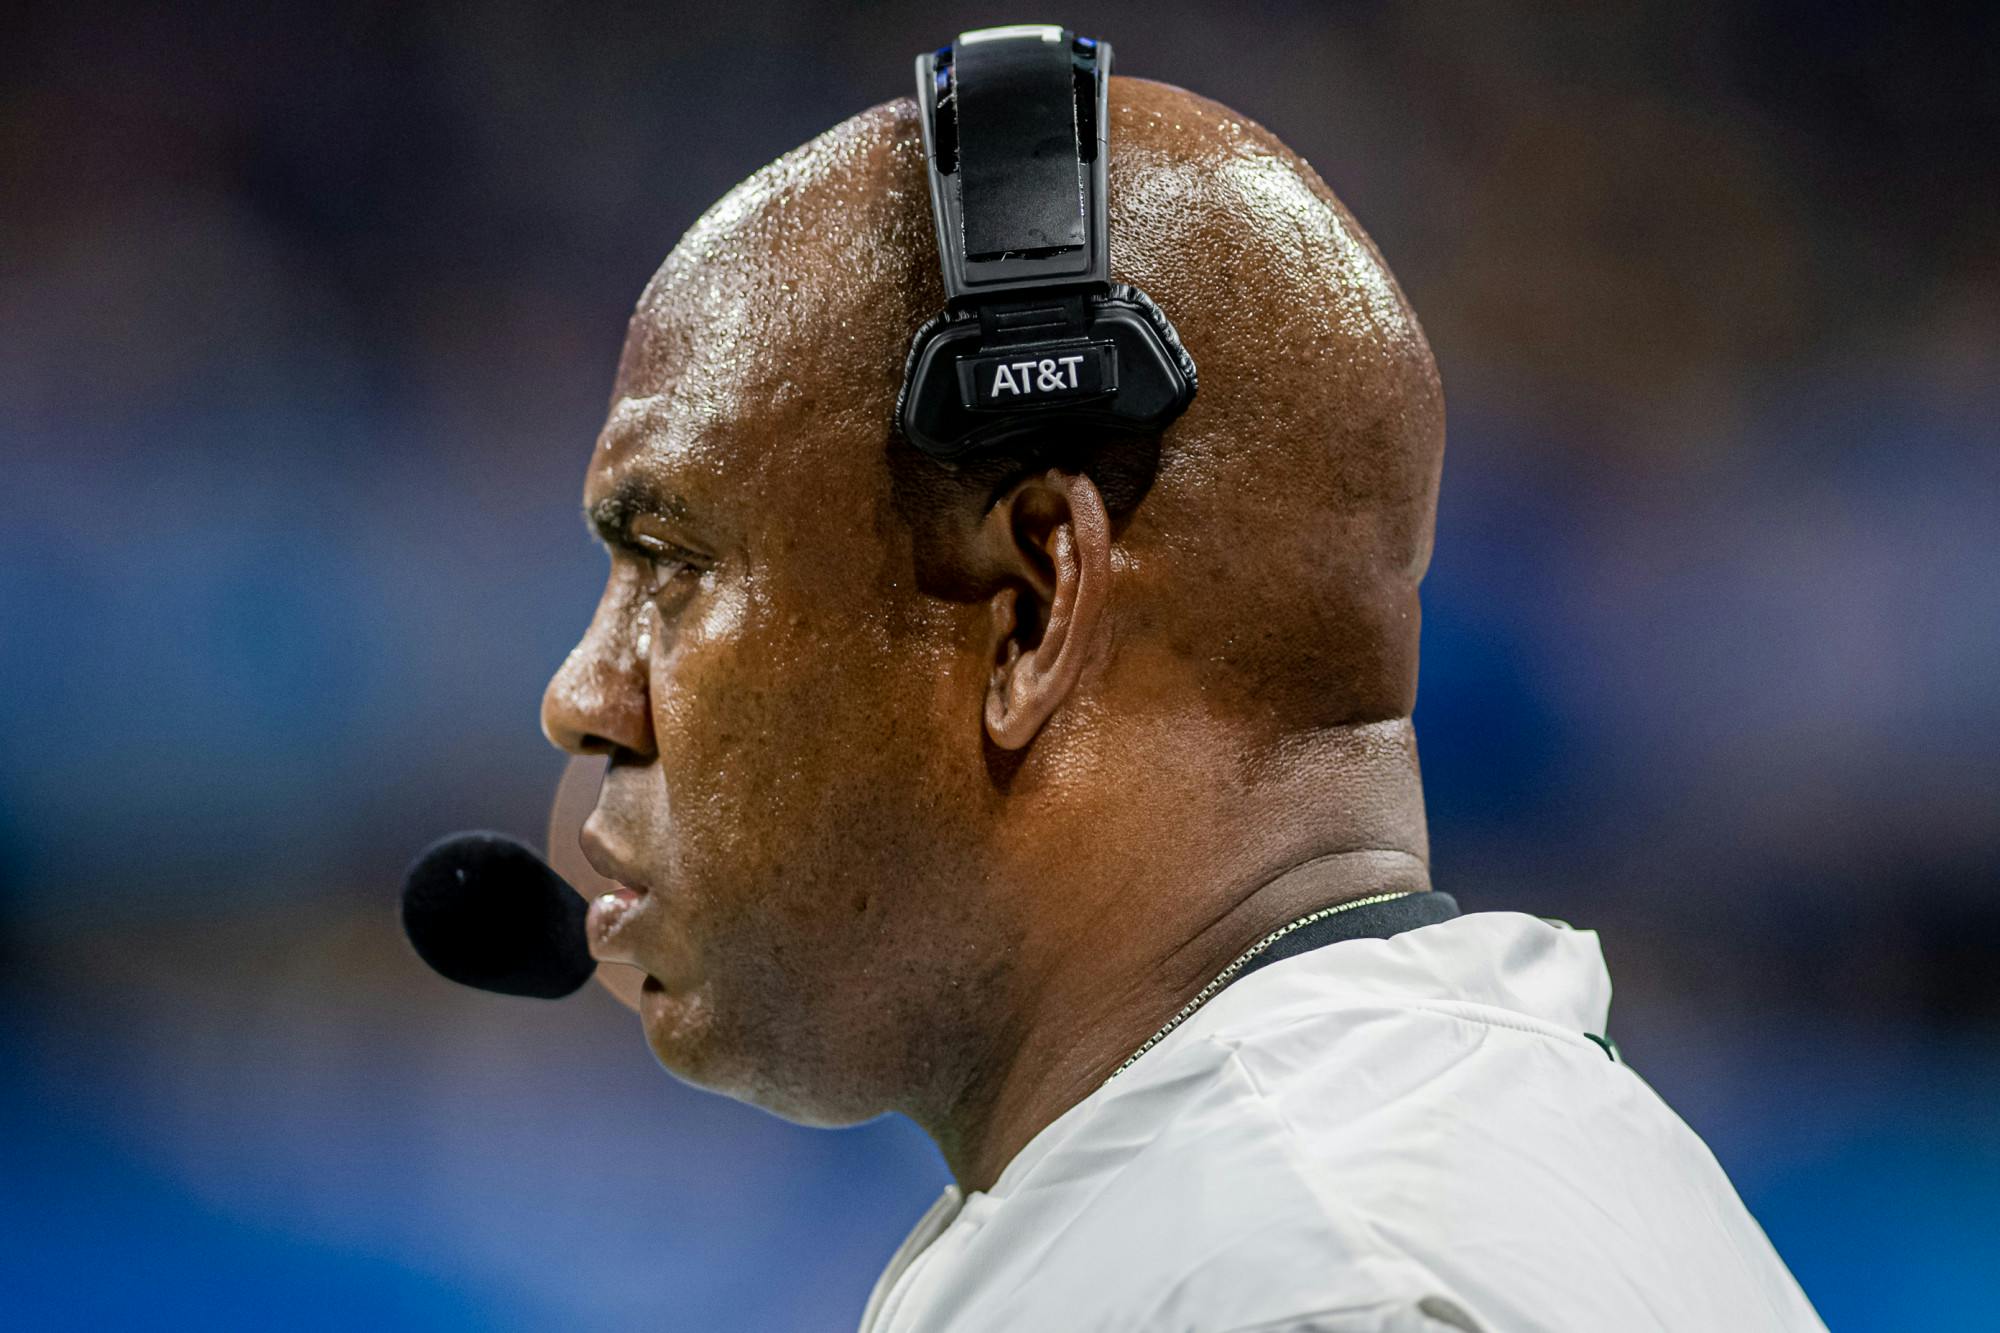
307, 319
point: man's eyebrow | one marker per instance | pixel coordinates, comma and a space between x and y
610, 519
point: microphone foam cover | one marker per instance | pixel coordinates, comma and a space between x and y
485, 911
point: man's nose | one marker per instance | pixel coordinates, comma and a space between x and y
597, 701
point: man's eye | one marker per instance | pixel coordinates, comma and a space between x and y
665, 571
667, 566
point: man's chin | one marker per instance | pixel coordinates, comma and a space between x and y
687, 1040
680, 1026
686, 1037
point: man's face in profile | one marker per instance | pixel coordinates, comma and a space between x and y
852, 869
792, 730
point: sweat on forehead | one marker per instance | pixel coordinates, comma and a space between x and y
805, 280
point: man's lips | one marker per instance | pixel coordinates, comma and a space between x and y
606, 920
614, 908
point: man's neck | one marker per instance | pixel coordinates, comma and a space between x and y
1099, 999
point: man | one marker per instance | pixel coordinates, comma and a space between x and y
1066, 801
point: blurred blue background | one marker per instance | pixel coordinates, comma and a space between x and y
307, 319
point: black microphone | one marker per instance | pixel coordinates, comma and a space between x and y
485, 911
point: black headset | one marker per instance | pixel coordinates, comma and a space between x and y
1034, 334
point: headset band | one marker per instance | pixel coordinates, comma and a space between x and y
1014, 124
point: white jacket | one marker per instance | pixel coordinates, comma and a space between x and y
1411, 1133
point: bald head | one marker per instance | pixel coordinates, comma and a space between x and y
897, 748
1273, 539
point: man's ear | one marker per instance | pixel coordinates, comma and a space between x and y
1050, 540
